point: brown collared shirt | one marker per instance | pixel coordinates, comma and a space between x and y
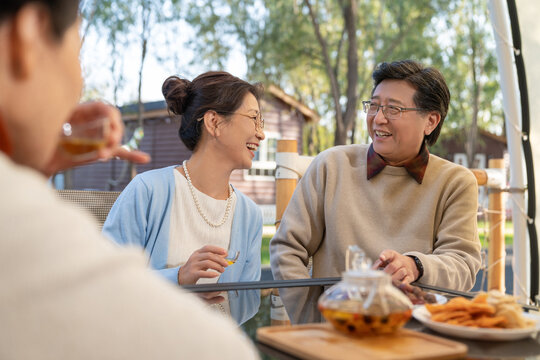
416, 167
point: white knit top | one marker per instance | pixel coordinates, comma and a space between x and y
189, 231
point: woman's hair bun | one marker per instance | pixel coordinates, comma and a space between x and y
177, 94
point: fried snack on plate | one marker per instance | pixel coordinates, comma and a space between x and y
447, 316
486, 310
507, 306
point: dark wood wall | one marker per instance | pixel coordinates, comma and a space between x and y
491, 145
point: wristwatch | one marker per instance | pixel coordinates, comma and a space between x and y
419, 266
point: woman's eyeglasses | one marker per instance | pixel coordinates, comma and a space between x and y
257, 119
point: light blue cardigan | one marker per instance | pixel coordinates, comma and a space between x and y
141, 216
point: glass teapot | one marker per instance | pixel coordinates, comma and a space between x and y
364, 301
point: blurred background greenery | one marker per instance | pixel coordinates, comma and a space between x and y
322, 52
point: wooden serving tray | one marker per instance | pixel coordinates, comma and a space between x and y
322, 342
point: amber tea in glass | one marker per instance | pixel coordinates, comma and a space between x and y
84, 139
232, 257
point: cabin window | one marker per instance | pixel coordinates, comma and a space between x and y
264, 162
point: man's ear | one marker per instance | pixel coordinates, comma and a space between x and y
27, 33
211, 123
433, 120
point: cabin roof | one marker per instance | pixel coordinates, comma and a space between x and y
155, 109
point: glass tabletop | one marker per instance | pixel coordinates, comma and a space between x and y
254, 305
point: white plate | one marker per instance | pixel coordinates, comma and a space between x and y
439, 299
423, 315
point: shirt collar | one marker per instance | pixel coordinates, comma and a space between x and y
416, 167
5, 143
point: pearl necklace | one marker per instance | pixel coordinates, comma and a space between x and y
198, 205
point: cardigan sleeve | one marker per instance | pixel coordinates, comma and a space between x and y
252, 268
127, 221
170, 274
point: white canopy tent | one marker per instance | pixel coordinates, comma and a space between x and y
516, 28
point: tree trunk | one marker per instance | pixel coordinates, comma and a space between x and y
349, 15
341, 132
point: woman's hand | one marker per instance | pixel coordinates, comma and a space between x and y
201, 263
401, 267
86, 112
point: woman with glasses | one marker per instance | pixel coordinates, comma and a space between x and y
413, 213
188, 217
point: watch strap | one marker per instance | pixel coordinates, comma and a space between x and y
419, 266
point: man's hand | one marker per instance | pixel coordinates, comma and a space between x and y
401, 267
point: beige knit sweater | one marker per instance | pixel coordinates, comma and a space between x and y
69, 293
334, 206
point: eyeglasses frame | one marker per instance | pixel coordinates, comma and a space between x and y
258, 120
367, 103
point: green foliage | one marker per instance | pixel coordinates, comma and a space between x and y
124, 23
469, 64
265, 254
483, 230
278, 40
316, 138
280, 46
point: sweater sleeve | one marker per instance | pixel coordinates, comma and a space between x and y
456, 256
127, 221
298, 238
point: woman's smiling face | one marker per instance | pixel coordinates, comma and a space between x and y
240, 134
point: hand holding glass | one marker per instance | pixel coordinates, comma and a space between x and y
85, 138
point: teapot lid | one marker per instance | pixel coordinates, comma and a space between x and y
365, 274
358, 266
356, 259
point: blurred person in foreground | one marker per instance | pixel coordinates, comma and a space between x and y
412, 212
67, 292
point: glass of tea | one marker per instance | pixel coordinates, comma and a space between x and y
84, 139
232, 256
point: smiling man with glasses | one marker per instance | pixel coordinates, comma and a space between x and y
413, 213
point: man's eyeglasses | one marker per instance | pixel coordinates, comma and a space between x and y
391, 112
257, 119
